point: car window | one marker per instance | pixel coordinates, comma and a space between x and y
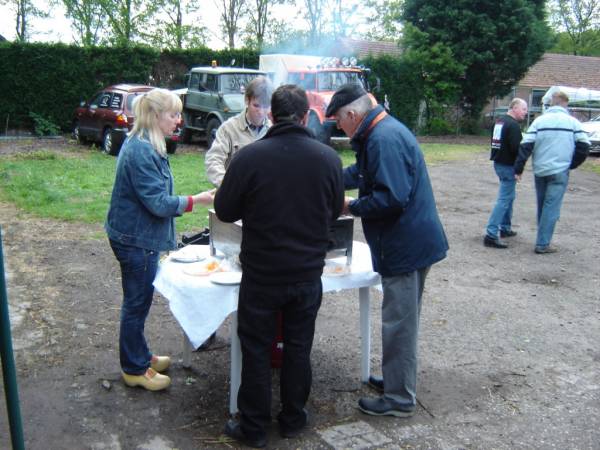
117, 101
103, 98
211, 83
195, 81
130, 99
331, 81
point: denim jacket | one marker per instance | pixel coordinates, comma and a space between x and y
142, 206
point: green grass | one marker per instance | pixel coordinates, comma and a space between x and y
76, 185
592, 164
434, 153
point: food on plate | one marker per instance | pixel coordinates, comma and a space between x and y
205, 268
335, 269
212, 266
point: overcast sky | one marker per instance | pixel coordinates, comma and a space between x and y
58, 28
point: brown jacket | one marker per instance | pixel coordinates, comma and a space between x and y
231, 137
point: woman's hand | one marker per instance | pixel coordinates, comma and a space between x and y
205, 198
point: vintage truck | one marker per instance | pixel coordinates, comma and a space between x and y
320, 77
212, 95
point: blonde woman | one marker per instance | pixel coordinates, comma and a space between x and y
140, 224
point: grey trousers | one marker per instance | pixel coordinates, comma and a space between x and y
400, 315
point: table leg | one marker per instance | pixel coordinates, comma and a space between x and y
187, 352
365, 333
236, 364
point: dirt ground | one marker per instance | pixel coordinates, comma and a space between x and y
509, 353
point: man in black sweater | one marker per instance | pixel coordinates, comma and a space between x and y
288, 189
506, 138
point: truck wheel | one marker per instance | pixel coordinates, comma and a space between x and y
317, 128
171, 147
108, 146
211, 131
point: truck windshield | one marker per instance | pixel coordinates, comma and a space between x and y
331, 81
235, 83
305, 80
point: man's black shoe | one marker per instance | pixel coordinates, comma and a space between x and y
376, 383
493, 243
292, 433
233, 430
506, 234
382, 406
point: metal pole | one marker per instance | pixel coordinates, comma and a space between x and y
8, 364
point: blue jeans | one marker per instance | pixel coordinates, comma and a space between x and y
138, 269
550, 191
501, 217
258, 307
400, 313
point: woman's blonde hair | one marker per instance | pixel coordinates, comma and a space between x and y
148, 109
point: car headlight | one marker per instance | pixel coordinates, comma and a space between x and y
594, 134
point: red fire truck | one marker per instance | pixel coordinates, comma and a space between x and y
320, 77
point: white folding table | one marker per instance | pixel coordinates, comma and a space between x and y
200, 307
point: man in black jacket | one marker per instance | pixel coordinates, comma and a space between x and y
287, 188
506, 138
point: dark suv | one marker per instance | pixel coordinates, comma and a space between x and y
108, 116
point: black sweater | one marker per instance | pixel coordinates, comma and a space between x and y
287, 188
506, 138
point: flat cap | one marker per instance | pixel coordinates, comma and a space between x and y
343, 96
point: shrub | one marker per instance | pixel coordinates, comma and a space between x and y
43, 126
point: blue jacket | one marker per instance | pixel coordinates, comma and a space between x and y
395, 202
142, 206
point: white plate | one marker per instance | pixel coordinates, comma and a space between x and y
226, 278
189, 254
335, 269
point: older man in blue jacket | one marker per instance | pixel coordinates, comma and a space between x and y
401, 224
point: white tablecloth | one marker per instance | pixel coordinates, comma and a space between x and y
201, 306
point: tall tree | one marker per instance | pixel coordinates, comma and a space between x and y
86, 20
24, 10
344, 13
169, 30
127, 17
439, 73
580, 20
260, 20
315, 16
231, 12
495, 43
385, 19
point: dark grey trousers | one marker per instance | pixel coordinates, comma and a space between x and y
400, 315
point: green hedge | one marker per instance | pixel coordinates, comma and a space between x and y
49, 80
400, 81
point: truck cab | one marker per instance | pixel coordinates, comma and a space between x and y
320, 77
213, 95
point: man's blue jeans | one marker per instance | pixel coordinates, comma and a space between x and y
550, 191
138, 269
501, 217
